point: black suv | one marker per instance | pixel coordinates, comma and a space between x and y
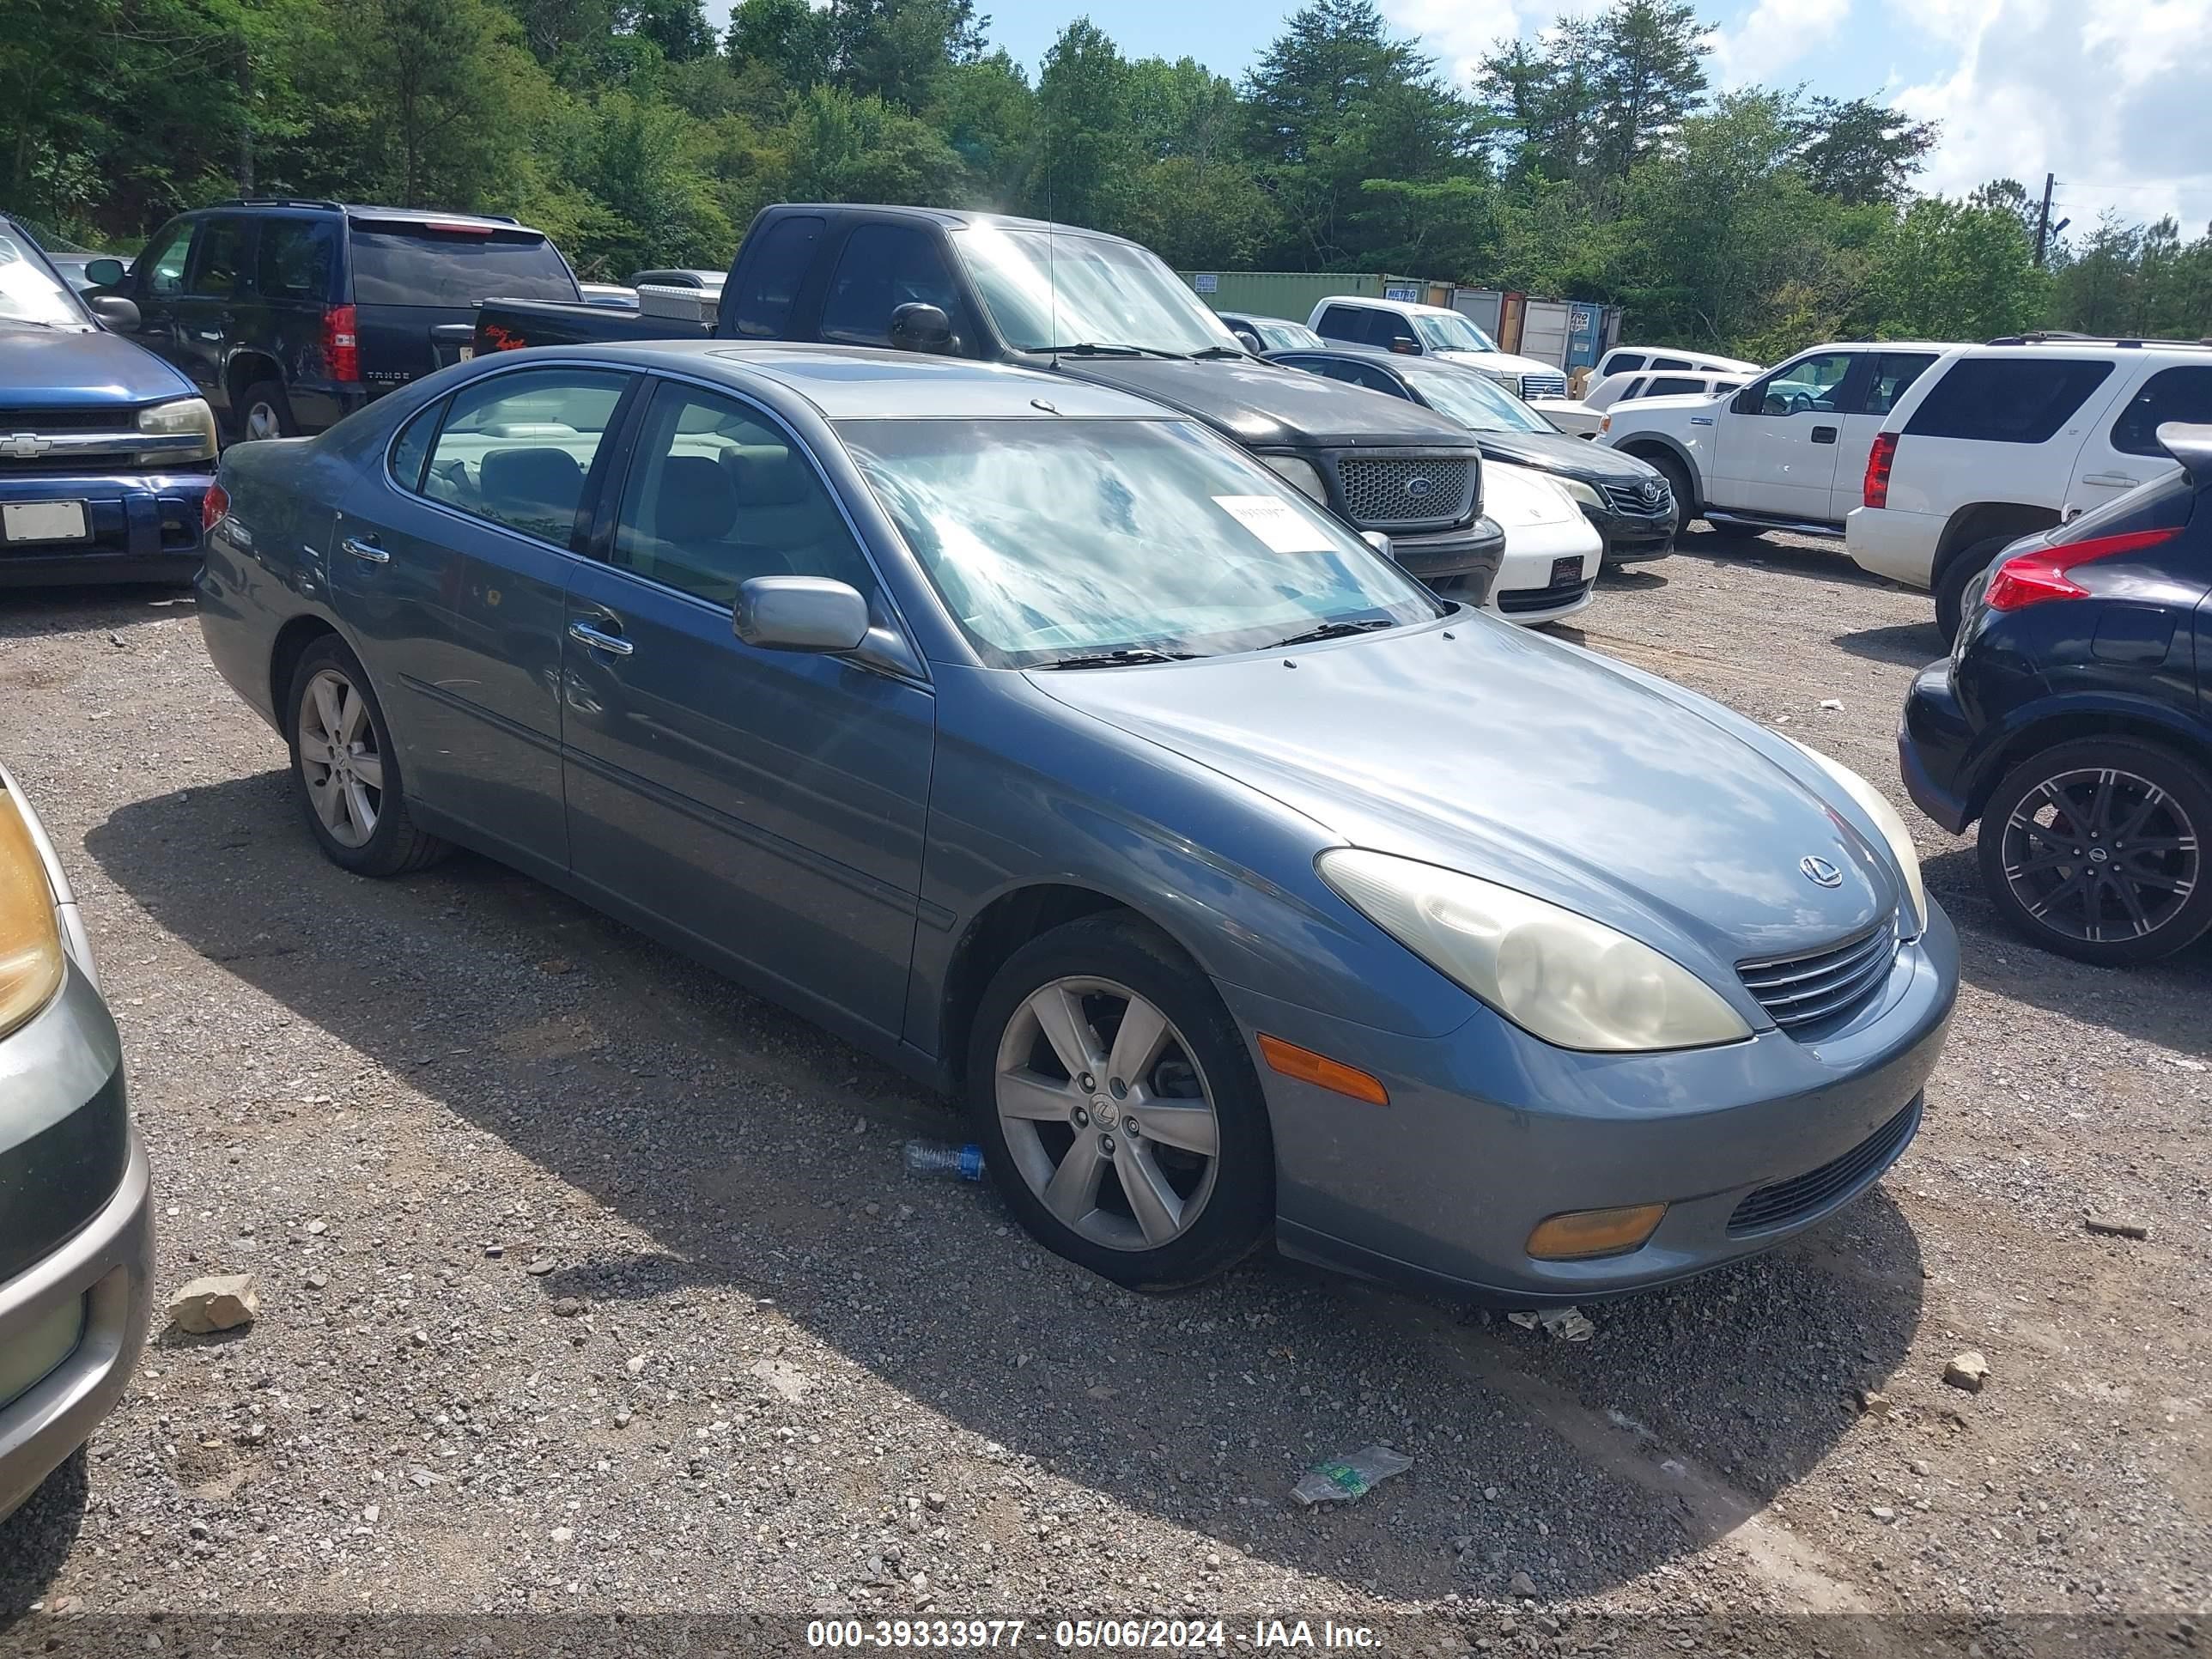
291, 314
2073, 719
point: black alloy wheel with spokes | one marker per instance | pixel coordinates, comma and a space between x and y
2095, 847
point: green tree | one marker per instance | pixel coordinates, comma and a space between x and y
1648, 77
1859, 151
789, 38
1953, 271
1087, 149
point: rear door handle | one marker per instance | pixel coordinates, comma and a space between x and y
368, 552
2111, 480
613, 644
1824, 434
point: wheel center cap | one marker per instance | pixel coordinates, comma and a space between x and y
1102, 1107
2098, 855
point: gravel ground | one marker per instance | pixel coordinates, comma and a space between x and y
589, 1282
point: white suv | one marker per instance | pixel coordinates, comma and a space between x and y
1419, 330
1788, 450
1997, 441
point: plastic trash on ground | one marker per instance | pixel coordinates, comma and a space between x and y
1341, 1479
934, 1157
1569, 1322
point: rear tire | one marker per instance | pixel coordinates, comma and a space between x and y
1951, 586
2096, 848
1156, 1179
265, 412
345, 770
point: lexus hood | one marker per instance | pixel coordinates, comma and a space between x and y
1261, 404
1475, 745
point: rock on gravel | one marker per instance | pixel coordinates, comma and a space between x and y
218, 1302
1967, 1370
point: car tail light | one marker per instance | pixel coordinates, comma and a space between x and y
1875, 492
213, 506
341, 345
2031, 578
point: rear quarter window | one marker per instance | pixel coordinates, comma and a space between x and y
1620, 362
2007, 400
295, 259
397, 265
2171, 394
773, 267
1668, 385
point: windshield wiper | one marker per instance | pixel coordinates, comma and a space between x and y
30, 322
1334, 630
1219, 351
1103, 349
1128, 654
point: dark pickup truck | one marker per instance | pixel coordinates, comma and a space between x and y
1090, 306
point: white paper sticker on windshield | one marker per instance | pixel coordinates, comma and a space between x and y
1282, 527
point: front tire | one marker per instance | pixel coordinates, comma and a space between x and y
1118, 1107
2094, 848
1678, 483
345, 770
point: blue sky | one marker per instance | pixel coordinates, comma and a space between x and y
2111, 95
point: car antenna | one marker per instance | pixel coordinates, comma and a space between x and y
1051, 261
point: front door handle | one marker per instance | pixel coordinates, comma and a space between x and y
613, 644
367, 552
2110, 480
1824, 434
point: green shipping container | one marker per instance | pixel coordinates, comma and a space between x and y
1294, 294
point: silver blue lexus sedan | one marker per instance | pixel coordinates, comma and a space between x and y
1047, 747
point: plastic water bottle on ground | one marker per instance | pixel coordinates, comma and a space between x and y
935, 1157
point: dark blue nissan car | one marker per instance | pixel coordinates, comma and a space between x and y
106, 452
2073, 719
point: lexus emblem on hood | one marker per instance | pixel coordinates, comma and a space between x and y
1820, 872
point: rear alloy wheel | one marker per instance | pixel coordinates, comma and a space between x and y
347, 775
1120, 1114
266, 412
2096, 848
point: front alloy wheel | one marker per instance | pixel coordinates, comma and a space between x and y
2096, 848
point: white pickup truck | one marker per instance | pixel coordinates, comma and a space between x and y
1788, 451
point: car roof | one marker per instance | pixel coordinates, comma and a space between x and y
1388, 305
951, 218
363, 210
859, 383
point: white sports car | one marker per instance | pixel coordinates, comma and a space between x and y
1552, 552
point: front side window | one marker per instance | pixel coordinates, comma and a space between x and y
1046, 290
2171, 394
767, 282
882, 267
1048, 540
295, 259
517, 448
219, 268
161, 268
1670, 362
718, 494
29, 292
1809, 385
1452, 333
2007, 399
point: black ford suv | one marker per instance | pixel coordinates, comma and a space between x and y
1091, 307
290, 314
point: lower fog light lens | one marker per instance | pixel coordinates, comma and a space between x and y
31, 1357
1580, 1235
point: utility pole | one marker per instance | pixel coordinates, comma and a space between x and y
2043, 220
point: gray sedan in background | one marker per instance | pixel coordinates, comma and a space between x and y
1047, 747
76, 1231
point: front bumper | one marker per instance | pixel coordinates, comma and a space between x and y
1525, 591
1489, 1131
142, 527
1933, 746
1459, 564
1629, 536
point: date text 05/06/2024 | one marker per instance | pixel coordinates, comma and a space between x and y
1070, 1634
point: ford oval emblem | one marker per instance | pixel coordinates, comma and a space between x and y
1417, 488
1820, 872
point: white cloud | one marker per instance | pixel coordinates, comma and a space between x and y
2107, 94
1775, 36
1460, 33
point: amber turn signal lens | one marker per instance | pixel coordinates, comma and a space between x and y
1579, 1234
1321, 1071
30, 943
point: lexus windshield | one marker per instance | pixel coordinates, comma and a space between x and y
1087, 543
1063, 291
29, 292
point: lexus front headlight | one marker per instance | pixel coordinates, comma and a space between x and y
1582, 492
190, 416
1300, 475
1557, 976
1875, 805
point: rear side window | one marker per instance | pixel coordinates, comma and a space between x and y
1894, 371
517, 448
219, 268
1670, 362
1668, 385
407, 264
296, 260
2007, 400
2171, 394
768, 280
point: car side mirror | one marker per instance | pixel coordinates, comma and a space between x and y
1406, 348
117, 314
105, 273
1381, 543
918, 327
1248, 340
1745, 402
800, 613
